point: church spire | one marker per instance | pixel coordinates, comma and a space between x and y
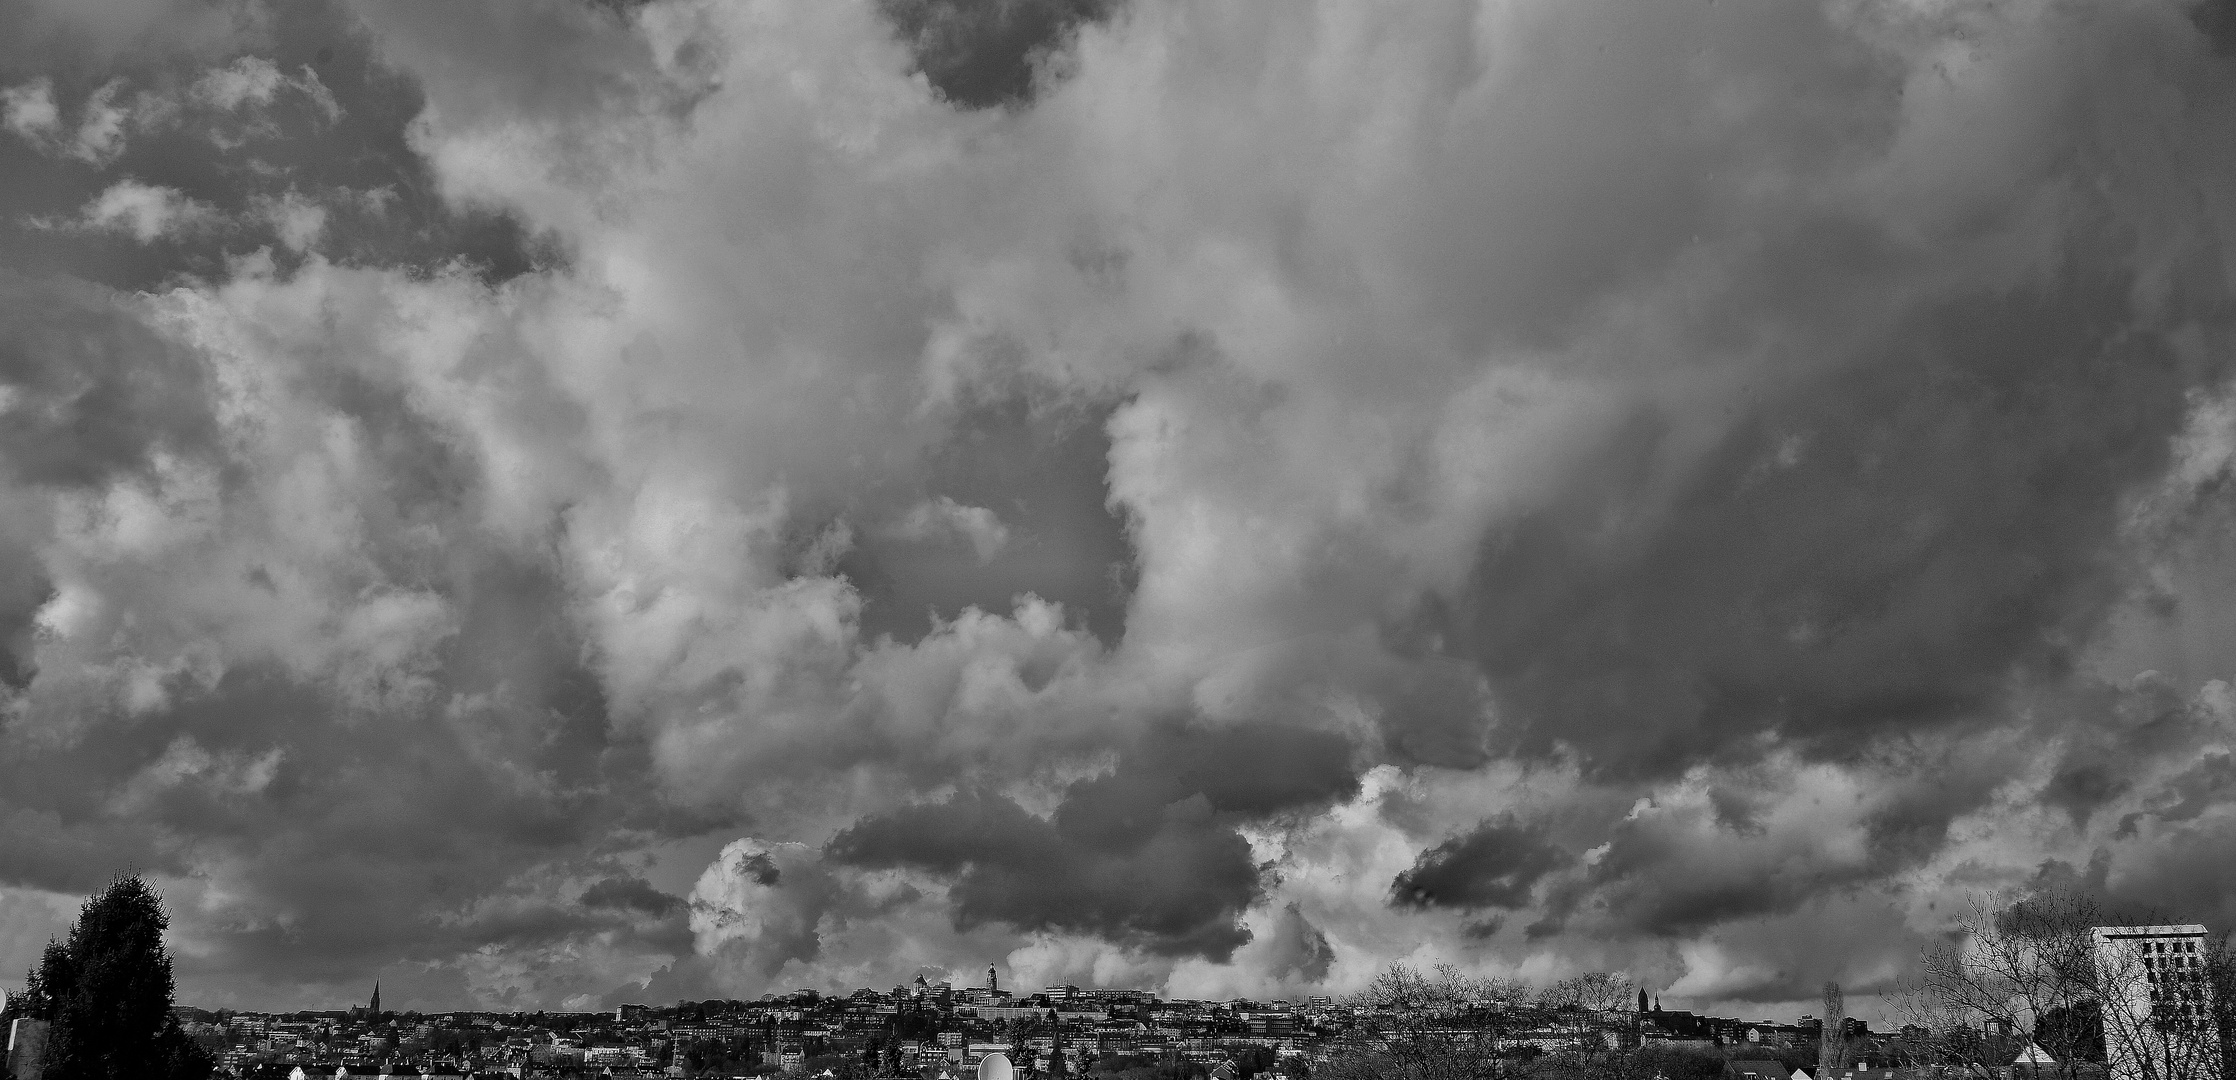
376, 999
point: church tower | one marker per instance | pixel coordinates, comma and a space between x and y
376, 999
992, 984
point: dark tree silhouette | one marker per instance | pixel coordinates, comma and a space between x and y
2072, 1032
106, 991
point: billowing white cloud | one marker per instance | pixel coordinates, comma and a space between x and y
229, 103
1608, 486
29, 108
298, 221
256, 81
146, 212
942, 518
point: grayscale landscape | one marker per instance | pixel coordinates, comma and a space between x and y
1523, 539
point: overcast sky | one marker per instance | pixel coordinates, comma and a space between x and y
550, 504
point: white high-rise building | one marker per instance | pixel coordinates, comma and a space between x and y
2157, 1003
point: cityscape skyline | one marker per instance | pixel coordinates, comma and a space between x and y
966, 1024
551, 504
921, 1029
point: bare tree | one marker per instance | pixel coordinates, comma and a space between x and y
1444, 1025
2034, 969
1597, 1012
1596, 994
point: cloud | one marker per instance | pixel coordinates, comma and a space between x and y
249, 86
145, 212
1494, 866
745, 911
101, 126
256, 81
937, 519
1300, 950
299, 221
630, 894
982, 55
1550, 487
1967, 577
1174, 884
106, 30
29, 107
96, 389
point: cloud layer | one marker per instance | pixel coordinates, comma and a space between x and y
564, 502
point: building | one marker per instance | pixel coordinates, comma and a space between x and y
26, 1048
1754, 1070
372, 1011
1006, 1012
2156, 1003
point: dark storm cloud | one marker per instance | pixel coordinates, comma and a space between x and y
44, 850
1252, 768
366, 833
1146, 854
2179, 872
547, 59
1763, 842
92, 390
630, 894
1876, 551
761, 869
1495, 865
1175, 885
343, 151
2081, 789
317, 806
60, 32
2137, 746
22, 590
1436, 710
357, 841
1298, 949
2189, 794
1690, 408
1040, 469
2151, 766
982, 53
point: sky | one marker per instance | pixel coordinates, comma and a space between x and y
561, 503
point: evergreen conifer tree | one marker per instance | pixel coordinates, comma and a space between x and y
106, 991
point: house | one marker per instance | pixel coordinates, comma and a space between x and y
2034, 1057
1754, 1070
